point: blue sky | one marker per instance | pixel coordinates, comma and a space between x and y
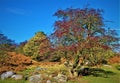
20, 19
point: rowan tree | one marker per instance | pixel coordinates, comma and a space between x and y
79, 34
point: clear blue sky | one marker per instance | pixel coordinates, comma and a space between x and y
20, 19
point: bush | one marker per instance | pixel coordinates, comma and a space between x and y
15, 62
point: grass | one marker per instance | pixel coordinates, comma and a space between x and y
91, 79
113, 75
12, 81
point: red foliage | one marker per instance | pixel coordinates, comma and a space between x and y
80, 31
105, 47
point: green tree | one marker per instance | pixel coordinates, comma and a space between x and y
33, 46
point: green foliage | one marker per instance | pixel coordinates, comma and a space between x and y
32, 47
98, 56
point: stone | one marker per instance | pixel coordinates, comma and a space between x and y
7, 74
35, 79
48, 81
40, 69
17, 77
61, 78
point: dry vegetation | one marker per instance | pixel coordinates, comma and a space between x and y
15, 62
114, 59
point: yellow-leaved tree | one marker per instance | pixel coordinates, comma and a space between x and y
35, 45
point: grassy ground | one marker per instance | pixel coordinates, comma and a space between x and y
104, 75
111, 75
12, 81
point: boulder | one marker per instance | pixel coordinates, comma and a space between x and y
17, 77
35, 79
61, 78
48, 81
7, 74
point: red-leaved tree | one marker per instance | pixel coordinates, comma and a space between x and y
80, 38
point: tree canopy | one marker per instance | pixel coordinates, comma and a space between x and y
81, 33
33, 46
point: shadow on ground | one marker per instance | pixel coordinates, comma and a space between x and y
97, 72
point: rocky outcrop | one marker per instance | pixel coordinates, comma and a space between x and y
36, 76
7, 74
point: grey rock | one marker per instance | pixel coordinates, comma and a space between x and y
48, 81
17, 77
61, 78
35, 79
40, 69
7, 74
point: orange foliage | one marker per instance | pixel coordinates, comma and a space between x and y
15, 62
114, 59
